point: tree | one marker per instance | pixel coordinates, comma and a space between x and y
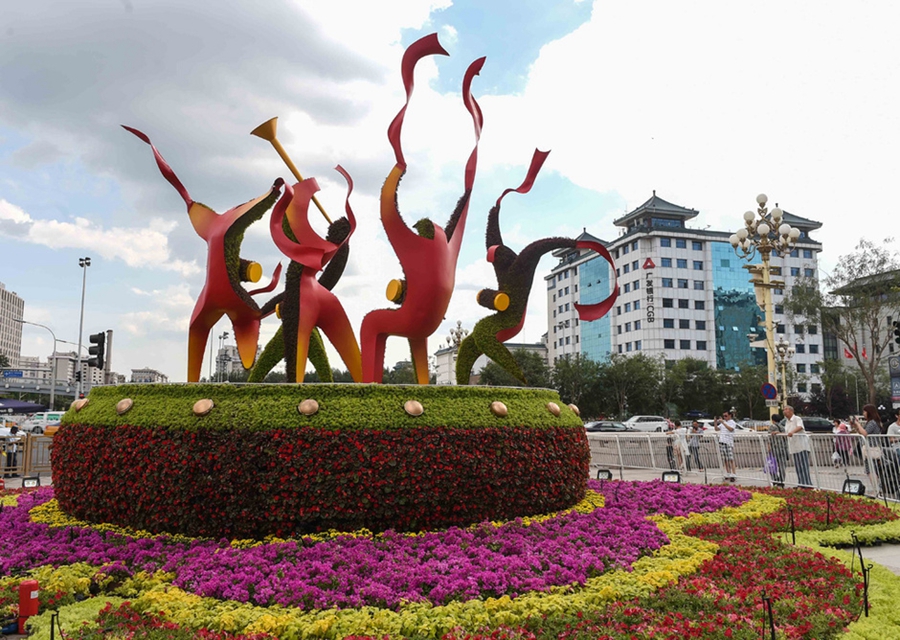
859, 295
745, 388
532, 365
632, 383
4, 361
576, 377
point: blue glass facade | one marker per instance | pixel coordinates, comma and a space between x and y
593, 286
736, 311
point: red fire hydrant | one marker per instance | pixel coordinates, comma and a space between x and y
28, 602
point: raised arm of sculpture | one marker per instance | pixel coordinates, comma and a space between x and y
222, 292
427, 256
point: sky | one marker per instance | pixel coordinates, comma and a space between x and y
707, 102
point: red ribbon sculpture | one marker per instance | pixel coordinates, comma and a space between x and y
429, 257
222, 292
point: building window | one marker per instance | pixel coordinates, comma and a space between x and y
668, 344
618, 311
684, 324
684, 304
682, 283
725, 263
698, 285
798, 329
700, 305
801, 387
801, 368
814, 368
566, 291
816, 388
667, 283
560, 308
567, 340
554, 328
809, 273
668, 323
668, 303
626, 268
801, 348
812, 329
680, 243
665, 242
684, 344
627, 307
666, 262
618, 273
682, 263
637, 325
619, 328
625, 250
627, 346
807, 253
634, 246
778, 292
814, 348
779, 329
779, 309
700, 325
627, 288
637, 345
634, 265
636, 285
701, 345
698, 265
795, 253
567, 306
795, 271
697, 246
637, 305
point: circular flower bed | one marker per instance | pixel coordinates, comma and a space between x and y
256, 466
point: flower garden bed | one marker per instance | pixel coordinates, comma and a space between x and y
642, 560
256, 466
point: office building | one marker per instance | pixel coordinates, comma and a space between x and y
445, 361
683, 293
12, 309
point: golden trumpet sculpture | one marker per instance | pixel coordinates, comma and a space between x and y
268, 131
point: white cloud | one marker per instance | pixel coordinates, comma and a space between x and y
145, 247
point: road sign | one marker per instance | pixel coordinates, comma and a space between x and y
771, 403
894, 366
769, 392
11, 373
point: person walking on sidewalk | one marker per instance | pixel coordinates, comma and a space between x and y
798, 445
694, 446
725, 427
778, 452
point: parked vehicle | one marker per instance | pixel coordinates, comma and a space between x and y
695, 413
647, 423
38, 422
607, 426
51, 429
814, 424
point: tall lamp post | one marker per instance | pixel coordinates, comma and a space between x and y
783, 354
84, 263
765, 233
52, 361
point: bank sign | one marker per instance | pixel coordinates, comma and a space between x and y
649, 304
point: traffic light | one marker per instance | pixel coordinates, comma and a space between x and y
897, 331
78, 376
98, 344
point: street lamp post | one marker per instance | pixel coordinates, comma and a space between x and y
52, 361
84, 263
221, 358
783, 353
765, 233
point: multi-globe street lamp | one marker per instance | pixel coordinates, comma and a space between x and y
764, 233
784, 352
84, 263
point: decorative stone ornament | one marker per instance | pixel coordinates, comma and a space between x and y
203, 407
81, 403
575, 409
553, 408
414, 408
499, 409
308, 407
124, 405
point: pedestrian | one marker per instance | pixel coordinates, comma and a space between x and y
725, 427
12, 452
670, 445
798, 445
694, 445
778, 451
843, 443
681, 446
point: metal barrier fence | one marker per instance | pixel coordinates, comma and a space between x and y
25, 455
821, 461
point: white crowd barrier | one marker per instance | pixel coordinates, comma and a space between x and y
761, 459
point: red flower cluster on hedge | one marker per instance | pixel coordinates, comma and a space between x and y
291, 481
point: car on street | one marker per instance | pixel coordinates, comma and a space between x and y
607, 426
814, 424
647, 423
39, 421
